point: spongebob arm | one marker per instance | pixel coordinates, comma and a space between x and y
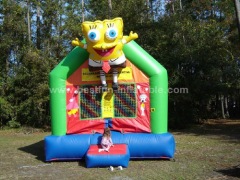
76, 42
132, 36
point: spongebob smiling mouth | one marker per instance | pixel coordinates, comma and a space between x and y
104, 52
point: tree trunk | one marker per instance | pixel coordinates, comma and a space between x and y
28, 21
38, 28
226, 107
237, 8
173, 9
222, 106
180, 5
109, 9
82, 10
152, 13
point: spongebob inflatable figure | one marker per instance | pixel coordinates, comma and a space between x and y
104, 42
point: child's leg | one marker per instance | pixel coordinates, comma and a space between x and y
107, 149
100, 150
104, 149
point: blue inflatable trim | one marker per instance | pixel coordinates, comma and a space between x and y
140, 145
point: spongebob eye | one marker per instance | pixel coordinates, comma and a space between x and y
111, 33
94, 35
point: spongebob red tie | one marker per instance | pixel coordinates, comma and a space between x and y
106, 67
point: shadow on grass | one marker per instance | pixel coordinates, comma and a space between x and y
36, 149
82, 163
233, 171
224, 129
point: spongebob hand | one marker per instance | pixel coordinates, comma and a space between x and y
76, 42
133, 36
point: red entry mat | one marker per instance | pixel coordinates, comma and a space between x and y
116, 149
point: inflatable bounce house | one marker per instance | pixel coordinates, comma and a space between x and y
108, 80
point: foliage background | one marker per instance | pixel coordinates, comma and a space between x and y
196, 40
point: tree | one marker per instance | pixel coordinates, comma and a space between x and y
12, 33
197, 42
201, 57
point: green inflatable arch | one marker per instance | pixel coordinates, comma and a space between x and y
156, 73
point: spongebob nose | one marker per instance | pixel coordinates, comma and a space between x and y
104, 46
100, 46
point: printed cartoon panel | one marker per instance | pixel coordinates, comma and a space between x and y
141, 121
72, 102
125, 101
74, 124
90, 102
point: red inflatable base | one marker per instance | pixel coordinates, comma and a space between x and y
118, 155
116, 149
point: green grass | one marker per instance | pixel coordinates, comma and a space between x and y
207, 151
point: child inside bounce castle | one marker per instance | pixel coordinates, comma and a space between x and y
106, 141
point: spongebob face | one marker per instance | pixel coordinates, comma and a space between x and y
104, 38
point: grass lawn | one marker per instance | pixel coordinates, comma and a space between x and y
207, 151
